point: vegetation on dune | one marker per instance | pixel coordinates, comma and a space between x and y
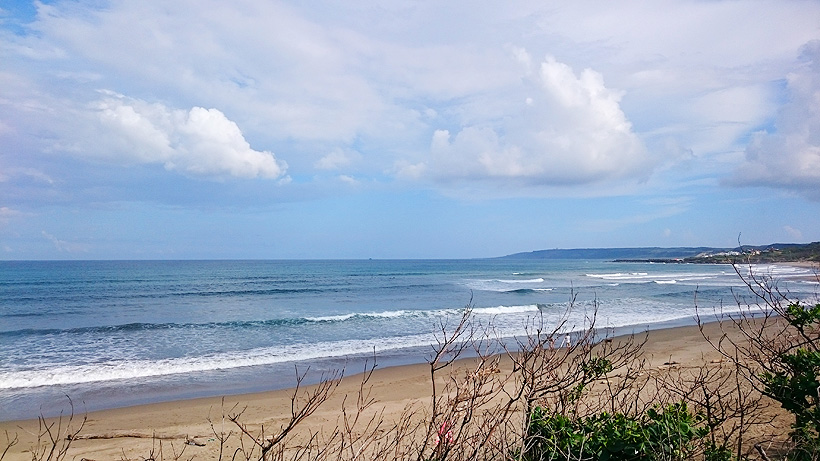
660, 433
596, 399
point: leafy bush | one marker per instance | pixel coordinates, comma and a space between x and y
667, 433
794, 381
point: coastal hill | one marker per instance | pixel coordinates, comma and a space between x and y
775, 252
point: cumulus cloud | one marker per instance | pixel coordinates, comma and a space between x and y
198, 141
569, 129
389, 79
789, 155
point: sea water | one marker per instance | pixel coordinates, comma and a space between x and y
118, 333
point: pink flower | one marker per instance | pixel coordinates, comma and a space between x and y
445, 433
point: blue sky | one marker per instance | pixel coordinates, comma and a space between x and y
404, 129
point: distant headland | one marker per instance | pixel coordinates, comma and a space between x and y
775, 252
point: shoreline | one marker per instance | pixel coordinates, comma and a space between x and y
26, 402
130, 429
53, 401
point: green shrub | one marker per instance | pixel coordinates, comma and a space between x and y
793, 380
667, 433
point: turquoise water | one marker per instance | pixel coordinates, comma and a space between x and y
116, 333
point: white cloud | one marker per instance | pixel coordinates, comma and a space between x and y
406, 170
66, 247
79, 77
725, 116
569, 130
789, 156
695, 75
348, 180
261, 60
793, 233
198, 141
653, 211
5, 129
336, 159
6, 214
7, 173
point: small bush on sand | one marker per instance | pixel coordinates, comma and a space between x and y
668, 433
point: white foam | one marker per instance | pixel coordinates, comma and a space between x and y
500, 310
607, 276
658, 277
392, 314
385, 314
632, 276
538, 280
503, 285
135, 369
331, 318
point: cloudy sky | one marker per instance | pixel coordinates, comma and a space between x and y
404, 129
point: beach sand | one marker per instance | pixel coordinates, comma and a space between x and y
127, 432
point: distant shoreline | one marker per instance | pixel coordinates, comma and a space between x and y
652, 261
712, 260
760, 254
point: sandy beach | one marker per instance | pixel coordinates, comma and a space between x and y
132, 432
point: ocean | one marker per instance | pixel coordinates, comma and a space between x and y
119, 333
